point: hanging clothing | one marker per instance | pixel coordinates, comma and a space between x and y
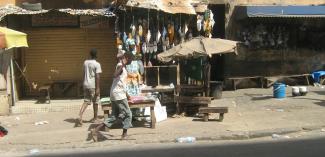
133, 78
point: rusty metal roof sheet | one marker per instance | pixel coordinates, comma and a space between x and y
168, 6
178, 6
14, 10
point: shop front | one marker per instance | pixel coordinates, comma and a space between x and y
59, 42
277, 40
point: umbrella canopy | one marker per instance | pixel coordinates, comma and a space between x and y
10, 38
199, 46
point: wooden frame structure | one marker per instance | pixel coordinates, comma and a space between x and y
147, 103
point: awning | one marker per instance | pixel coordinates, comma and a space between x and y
14, 10
281, 11
168, 6
10, 38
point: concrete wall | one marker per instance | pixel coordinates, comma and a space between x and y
274, 62
269, 62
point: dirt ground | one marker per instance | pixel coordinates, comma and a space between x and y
252, 113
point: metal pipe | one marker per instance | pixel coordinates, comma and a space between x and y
12, 82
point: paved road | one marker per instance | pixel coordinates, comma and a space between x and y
271, 148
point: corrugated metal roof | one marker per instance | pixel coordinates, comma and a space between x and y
149, 4
14, 10
178, 6
200, 8
285, 11
168, 6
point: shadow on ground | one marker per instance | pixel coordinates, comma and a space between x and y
279, 148
256, 97
319, 92
321, 102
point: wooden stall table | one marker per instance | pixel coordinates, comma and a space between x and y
167, 93
139, 104
160, 89
271, 79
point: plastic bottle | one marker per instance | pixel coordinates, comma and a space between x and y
186, 140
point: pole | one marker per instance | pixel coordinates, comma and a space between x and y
12, 79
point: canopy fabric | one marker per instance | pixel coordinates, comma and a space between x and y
10, 38
168, 6
199, 46
282, 11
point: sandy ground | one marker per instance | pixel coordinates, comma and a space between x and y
251, 111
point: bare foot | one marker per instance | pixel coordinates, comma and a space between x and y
94, 136
78, 122
124, 136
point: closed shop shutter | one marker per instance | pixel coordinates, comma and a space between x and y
59, 53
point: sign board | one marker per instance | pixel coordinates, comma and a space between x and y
52, 19
94, 22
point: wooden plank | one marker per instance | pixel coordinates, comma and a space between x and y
244, 77
213, 110
161, 90
193, 100
131, 105
162, 66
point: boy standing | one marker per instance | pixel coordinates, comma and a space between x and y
91, 86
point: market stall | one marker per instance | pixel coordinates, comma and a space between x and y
195, 48
147, 28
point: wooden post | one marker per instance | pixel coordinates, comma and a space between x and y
206, 117
145, 75
307, 80
158, 76
208, 80
106, 115
221, 117
177, 91
153, 117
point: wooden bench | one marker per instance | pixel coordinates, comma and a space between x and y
271, 79
203, 101
207, 110
62, 87
146, 103
47, 89
235, 80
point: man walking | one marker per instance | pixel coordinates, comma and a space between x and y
119, 98
91, 85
